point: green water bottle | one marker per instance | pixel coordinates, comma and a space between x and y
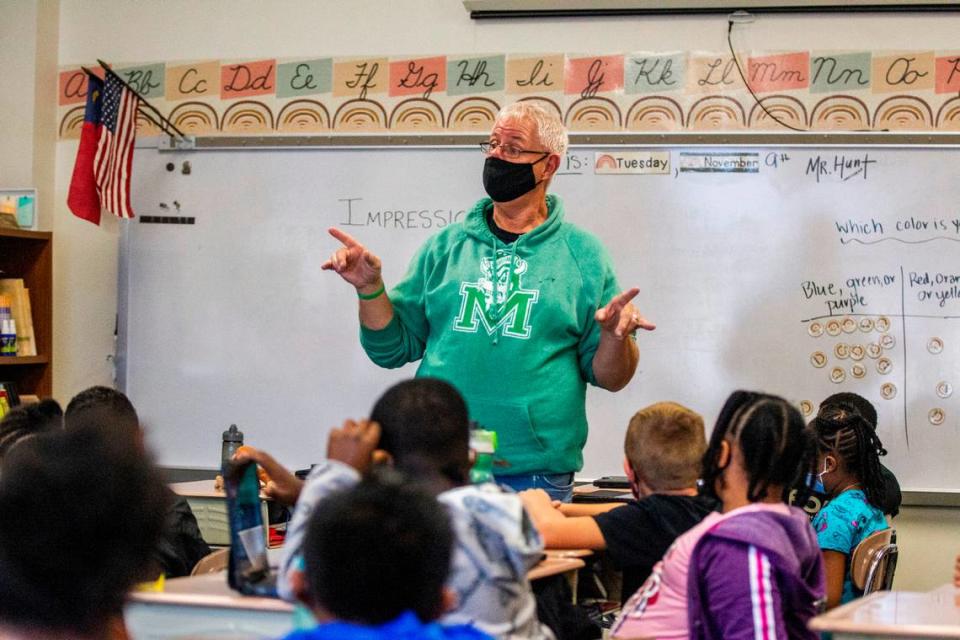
484, 445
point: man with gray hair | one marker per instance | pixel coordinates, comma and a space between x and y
514, 306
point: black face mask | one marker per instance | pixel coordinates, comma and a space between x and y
505, 181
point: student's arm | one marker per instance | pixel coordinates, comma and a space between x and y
572, 510
284, 487
354, 444
835, 527
835, 567
350, 451
737, 586
557, 530
325, 478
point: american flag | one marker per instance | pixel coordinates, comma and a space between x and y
115, 148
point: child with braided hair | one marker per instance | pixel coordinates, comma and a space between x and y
849, 471
752, 570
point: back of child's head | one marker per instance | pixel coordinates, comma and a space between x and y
79, 519
378, 549
777, 449
104, 409
664, 445
842, 431
28, 420
101, 399
855, 401
425, 428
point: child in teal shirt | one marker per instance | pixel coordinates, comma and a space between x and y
848, 460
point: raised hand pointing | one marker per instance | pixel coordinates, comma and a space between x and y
354, 262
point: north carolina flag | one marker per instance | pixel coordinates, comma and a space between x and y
111, 165
84, 195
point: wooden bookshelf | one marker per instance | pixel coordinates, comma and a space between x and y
29, 255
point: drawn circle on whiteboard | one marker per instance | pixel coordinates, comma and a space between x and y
866, 325
806, 407
884, 366
882, 324
818, 359
944, 389
857, 352
858, 371
874, 350
935, 345
849, 325
888, 391
841, 350
815, 329
837, 375
833, 327
887, 341
936, 416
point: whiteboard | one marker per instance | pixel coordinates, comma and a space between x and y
748, 260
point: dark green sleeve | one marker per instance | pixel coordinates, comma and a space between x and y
405, 338
601, 289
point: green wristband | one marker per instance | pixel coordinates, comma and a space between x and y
371, 296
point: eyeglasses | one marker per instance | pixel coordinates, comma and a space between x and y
507, 150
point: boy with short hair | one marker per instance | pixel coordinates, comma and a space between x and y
376, 558
754, 569
663, 448
110, 412
422, 426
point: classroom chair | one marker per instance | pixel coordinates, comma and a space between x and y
212, 562
874, 561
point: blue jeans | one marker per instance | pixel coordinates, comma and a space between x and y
558, 485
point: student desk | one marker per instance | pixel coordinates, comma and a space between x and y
209, 506
560, 561
204, 607
895, 614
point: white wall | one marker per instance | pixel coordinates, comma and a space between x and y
18, 38
929, 540
127, 31
45, 107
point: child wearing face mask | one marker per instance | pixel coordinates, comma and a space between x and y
752, 570
848, 463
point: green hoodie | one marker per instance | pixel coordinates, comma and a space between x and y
516, 334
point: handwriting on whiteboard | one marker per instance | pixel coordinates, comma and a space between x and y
354, 213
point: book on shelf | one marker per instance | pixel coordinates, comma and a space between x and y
19, 297
8, 397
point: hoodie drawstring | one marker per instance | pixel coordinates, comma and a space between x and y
496, 309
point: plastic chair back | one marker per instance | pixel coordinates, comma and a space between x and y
874, 561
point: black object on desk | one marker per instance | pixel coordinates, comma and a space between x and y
612, 482
603, 495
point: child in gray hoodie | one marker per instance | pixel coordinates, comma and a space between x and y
421, 426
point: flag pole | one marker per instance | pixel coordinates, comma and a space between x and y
163, 127
143, 100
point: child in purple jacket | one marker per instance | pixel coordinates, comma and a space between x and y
758, 572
